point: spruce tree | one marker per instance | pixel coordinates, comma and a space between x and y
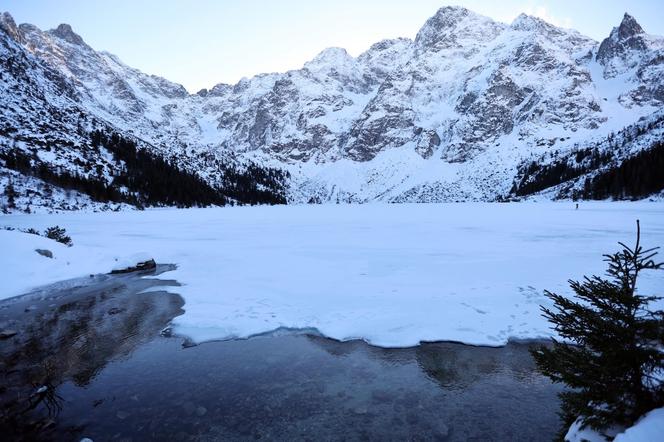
10, 193
610, 355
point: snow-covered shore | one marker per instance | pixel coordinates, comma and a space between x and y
649, 428
393, 275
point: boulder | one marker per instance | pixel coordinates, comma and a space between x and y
45, 253
139, 267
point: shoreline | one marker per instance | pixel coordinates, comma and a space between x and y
93, 362
98, 282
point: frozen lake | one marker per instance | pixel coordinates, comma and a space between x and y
392, 275
88, 360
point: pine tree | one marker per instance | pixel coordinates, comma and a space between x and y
611, 356
10, 193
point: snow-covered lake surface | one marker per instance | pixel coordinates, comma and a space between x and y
393, 275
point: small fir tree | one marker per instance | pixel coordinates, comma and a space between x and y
10, 193
612, 359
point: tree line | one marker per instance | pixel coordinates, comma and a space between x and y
537, 177
146, 179
93, 186
161, 182
153, 181
637, 176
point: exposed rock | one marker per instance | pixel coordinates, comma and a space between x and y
427, 142
8, 25
45, 253
139, 267
615, 50
6, 334
451, 25
65, 32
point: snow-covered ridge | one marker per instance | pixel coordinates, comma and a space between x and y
446, 116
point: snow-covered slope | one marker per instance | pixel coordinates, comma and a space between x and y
450, 115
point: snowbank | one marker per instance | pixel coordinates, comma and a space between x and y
648, 428
22, 268
393, 275
578, 434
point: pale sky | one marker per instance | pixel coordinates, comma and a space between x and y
200, 43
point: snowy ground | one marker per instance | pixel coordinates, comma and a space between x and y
649, 428
393, 275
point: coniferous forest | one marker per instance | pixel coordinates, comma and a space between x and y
536, 177
611, 171
152, 180
637, 177
146, 179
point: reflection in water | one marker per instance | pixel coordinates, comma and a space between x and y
451, 365
109, 375
456, 367
71, 334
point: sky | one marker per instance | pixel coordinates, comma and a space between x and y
199, 43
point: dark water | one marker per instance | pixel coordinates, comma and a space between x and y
89, 361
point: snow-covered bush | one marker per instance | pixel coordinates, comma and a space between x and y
58, 234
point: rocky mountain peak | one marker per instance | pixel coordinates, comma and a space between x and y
382, 57
525, 22
449, 15
454, 26
66, 33
567, 39
332, 59
388, 43
330, 56
8, 25
220, 89
445, 19
7, 21
629, 27
625, 39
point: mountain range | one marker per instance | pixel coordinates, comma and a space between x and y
470, 110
